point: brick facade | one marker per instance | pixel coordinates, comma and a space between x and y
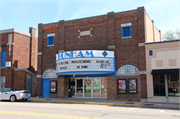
106, 31
23, 54
19, 80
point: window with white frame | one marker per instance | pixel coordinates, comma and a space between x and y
3, 80
126, 30
50, 39
128, 70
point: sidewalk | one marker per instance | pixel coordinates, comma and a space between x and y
109, 102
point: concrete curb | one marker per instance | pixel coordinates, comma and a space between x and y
90, 103
161, 107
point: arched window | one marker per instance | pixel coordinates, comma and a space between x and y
128, 70
49, 73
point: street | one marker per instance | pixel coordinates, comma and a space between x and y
37, 110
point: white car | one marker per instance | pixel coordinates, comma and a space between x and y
12, 95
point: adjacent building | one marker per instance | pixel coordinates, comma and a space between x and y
96, 57
18, 59
162, 66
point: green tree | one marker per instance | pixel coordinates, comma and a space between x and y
170, 35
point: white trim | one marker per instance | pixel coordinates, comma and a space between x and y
2, 67
126, 37
111, 47
16, 31
142, 72
60, 51
126, 24
52, 34
49, 45
39, 53
85, 33
38, 76
141, 44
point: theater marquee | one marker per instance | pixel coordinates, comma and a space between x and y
85, 61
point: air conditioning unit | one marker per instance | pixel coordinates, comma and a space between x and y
8, 64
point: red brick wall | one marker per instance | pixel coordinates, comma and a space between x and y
113, 89
7, 72
39, 86
106, 31
62, 87
34, 49
19, 80
21, 50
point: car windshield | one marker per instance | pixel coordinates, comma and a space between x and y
6, 90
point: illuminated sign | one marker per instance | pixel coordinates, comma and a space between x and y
85, 61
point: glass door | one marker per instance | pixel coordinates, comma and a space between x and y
71, 88
87, 87
79, 87
96, 87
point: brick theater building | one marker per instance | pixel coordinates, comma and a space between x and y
96, 57
18, 59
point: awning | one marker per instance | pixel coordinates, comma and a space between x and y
165, 71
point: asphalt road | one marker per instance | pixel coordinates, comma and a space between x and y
38, 110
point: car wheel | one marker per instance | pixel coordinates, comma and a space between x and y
13, 98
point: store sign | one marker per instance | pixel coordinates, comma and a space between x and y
85, 60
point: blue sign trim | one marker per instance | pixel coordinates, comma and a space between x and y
69, 72
85, 57
86, 75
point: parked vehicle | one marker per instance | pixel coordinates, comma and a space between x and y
12, 95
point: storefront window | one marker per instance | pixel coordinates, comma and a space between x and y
173, 85
159, 85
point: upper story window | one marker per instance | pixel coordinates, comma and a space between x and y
128, 70
50, 39
126, 30
3, 59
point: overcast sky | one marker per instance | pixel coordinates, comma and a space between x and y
22, 14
